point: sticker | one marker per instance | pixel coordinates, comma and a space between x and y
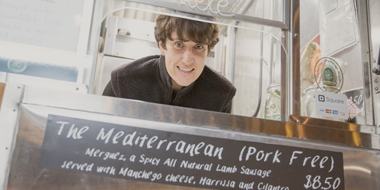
329, 104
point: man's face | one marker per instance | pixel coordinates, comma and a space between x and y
184, 60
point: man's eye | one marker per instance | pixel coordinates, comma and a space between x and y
200, 47
178, 44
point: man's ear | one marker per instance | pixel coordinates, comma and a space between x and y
162, 50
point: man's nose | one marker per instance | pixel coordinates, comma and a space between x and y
188, 56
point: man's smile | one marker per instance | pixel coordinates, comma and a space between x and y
185, 69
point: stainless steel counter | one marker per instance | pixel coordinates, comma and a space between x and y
360, 150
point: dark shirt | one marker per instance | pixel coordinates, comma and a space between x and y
146, 79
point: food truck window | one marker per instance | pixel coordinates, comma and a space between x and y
333, 83
248, 55
76, 50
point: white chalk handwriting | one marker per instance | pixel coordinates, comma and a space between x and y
204, 5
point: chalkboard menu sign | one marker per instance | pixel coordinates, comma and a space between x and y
129, 152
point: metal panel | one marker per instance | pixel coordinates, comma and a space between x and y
332, 124
375, 29
8, 118
46, 83
363, 17
295, 96
360, 165
187, 116
286, 12
290, 95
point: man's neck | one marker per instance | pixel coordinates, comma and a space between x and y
176, 87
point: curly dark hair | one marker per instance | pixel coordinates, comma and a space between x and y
196, 31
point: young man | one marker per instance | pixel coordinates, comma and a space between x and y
178, 76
